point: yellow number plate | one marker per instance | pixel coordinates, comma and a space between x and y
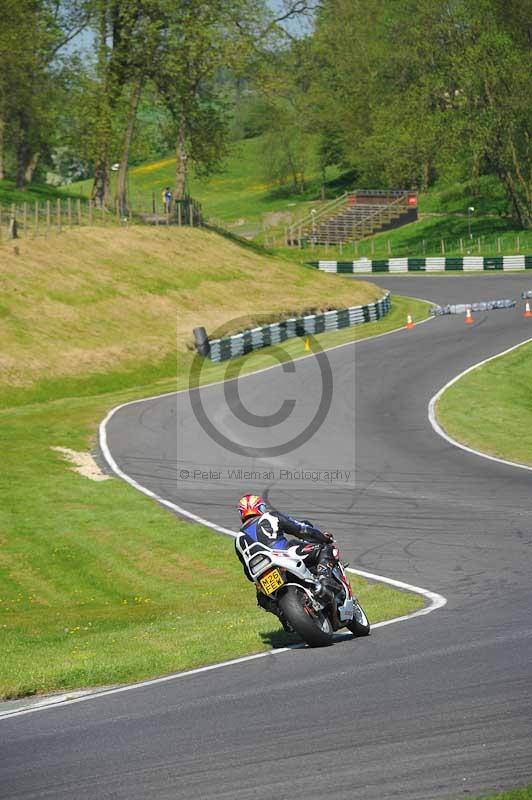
271, 581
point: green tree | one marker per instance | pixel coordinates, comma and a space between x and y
119, 28
32, 35
494, 75
417, 87
200, 40
182, 47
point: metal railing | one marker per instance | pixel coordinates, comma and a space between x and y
310, 225
311, 218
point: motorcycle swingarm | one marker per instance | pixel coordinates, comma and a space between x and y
315, 603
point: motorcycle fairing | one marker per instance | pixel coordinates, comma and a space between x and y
257, 558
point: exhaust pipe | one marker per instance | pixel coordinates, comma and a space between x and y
323, 593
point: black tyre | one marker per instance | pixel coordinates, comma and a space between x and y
313, 626
359, 625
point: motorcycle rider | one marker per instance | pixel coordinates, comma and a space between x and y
261, 523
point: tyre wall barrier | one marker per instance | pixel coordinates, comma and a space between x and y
246, 341
436, 264
461, 308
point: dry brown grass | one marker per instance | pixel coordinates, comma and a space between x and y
93, 300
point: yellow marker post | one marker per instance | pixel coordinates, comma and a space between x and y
307, 344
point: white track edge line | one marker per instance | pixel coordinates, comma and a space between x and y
441, 432
436, 600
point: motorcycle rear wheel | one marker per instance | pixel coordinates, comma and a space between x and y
359, 625
313, 626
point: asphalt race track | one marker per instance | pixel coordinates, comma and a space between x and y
436, 707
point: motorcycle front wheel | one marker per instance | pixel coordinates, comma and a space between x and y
313, 626
359, 625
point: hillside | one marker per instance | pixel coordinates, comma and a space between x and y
112, 300
242, 200
33, 191
239, 195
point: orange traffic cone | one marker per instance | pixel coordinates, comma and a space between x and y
527, 312
409, 322
468, 316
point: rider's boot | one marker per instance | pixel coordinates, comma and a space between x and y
273, 608
325, 570
329, 584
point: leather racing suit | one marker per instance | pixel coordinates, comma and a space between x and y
316, 548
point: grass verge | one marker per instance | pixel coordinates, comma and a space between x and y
489, 237
98, 584
490, 409
514, 794
116, 301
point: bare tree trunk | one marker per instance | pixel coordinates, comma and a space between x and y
128, 136
428, 174
293, 169
181, 165
521, 208
2, 144
22, 158
425, 180
100, 188
31, 166
21, 147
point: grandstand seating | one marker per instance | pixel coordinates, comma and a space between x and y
355, 215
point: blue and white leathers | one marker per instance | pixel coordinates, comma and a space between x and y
266, 530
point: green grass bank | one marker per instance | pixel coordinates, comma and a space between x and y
91, 302
490, 409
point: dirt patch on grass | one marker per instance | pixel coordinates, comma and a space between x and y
83, 463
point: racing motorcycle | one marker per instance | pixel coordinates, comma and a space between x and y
313, 611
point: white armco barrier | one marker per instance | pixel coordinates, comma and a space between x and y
432, 264
398, 264
513, 262
436, 264
473, 263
